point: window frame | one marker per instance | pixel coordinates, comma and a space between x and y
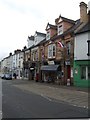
51, 51
87, 74
88, 47
60, 29
48, 35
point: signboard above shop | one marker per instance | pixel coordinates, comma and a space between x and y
51, 62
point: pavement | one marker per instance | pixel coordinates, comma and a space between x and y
75, 96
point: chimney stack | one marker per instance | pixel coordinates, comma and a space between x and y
83, 12
10, 54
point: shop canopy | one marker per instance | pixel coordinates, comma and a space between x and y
50, 67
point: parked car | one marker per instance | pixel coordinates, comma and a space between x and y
3, 76
0, 75
7, 76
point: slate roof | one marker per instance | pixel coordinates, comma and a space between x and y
31, 37
51, 26
84, 29
42, 42
68, 20
69, 31
39, 33
65, 19
73, 28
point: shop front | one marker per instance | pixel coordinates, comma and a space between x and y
51, 73
82, 73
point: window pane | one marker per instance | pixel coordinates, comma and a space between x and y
60, 29
54, 50
48, 36
83, 72
49, 51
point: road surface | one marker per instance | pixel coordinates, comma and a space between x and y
20, 103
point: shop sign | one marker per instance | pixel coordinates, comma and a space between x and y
31, 68
51, 62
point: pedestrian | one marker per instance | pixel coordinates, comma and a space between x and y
14, 75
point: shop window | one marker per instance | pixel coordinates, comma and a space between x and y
85, 72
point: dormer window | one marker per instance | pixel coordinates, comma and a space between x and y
60, 29
48, 36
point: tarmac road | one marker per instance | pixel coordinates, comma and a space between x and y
18, 102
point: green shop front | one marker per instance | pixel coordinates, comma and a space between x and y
82, 73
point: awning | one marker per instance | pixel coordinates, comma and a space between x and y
49, 67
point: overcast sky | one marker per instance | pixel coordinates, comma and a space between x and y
21, 18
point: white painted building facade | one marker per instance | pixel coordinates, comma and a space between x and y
82, 57
17, 66
81, 47
6, 65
